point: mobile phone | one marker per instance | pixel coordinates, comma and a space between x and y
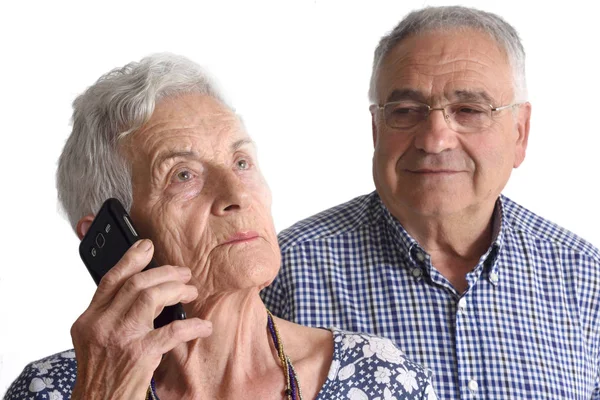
111, 234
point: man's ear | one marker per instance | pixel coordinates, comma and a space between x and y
374, 129
83, 225
523, 122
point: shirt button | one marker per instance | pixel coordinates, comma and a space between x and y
420, 256
416, 272
494, 277
462, 305
473, 386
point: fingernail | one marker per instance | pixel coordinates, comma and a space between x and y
144, 244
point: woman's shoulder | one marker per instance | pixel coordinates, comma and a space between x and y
367, 367
50, 378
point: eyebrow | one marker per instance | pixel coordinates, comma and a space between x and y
406, 94
194, 155
473, 96
241, 143
461, 95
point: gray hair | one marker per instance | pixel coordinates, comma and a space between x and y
455, 17
91, 168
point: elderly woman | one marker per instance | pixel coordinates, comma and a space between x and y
158, 136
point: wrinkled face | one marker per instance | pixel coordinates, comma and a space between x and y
430, 170
199, 195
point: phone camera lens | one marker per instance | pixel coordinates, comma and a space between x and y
100, 240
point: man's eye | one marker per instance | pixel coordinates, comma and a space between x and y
243, 164
406, 110
470, 109
183, 176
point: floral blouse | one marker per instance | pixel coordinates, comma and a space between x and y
364, 367
367, 367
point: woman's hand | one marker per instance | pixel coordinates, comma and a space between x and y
116, 347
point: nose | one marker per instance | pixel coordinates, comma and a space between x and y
230, 193
435, 135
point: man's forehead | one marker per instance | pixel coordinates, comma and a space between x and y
450, 44
452, 64
438, 53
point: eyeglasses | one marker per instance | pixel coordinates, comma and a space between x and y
460, 117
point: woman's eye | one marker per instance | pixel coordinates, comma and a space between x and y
243, 164
183, 176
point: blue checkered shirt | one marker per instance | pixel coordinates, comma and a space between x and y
526, 328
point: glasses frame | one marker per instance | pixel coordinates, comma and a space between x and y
381, 107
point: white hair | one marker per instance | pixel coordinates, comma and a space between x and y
431, 19
91, 168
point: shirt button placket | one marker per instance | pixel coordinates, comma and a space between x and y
463, 327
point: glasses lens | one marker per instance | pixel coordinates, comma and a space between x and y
404, 114
470, 116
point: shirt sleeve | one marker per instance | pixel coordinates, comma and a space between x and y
32, 385
51, 378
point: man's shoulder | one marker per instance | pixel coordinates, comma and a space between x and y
51, 377
335, 221
522, 220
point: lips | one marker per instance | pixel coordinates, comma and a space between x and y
433, 171
242, 236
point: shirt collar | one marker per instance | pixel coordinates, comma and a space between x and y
409, 246
396, 230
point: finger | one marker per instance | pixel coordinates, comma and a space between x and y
133, 261
151, 301
133, 286
177, 332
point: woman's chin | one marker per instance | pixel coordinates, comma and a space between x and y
251, 270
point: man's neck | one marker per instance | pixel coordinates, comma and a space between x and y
454, 242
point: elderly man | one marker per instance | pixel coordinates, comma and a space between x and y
497, 301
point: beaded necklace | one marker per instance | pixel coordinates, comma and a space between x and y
292, 391
292, 386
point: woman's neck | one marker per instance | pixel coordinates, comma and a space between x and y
238, 353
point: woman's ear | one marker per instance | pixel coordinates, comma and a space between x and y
83, 225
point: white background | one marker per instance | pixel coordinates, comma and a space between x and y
298, 72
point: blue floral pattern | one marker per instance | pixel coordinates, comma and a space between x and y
364, 367
51, 378
367, 367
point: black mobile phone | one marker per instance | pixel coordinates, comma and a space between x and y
111, 234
